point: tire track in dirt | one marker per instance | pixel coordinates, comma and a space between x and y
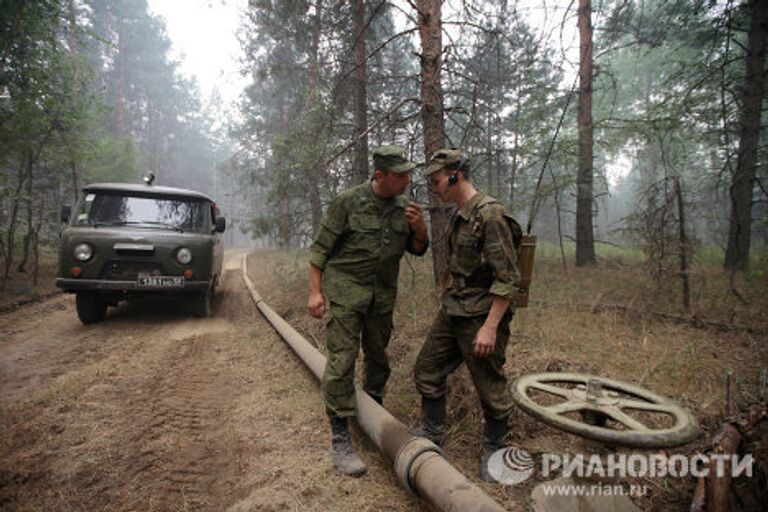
155, 410
176, 452
128, 414
34, 349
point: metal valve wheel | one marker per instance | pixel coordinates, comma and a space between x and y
603, 403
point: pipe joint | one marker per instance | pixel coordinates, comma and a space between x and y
407, 456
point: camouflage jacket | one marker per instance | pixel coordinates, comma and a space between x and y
482, 260
359, 245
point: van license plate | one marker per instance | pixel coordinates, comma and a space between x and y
161, 282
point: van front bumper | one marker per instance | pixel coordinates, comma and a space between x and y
74, 285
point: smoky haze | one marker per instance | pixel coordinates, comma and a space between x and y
265, 108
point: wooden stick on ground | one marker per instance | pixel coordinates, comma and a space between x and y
713, 493
691, 320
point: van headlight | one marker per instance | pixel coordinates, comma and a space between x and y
184, 256
83, 252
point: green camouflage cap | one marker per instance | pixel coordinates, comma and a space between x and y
391, 158
451, 158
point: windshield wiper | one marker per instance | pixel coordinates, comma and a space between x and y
138, 223
165, 225
115, 223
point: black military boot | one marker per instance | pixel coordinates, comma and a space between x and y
342, 453
432, 420
493, 439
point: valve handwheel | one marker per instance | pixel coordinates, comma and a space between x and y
612, 403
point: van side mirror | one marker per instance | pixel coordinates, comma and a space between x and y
66, 213
221, 224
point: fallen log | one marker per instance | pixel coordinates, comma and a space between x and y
713, 492
693, 320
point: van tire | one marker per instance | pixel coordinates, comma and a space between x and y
91, 308
201, 307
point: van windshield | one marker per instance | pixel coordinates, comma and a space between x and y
175, 213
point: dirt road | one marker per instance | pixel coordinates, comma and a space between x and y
155, 410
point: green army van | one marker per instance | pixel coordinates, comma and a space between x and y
139, 241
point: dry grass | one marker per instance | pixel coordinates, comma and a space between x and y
561, 331
281, 280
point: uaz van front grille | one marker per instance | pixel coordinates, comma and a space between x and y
130, 270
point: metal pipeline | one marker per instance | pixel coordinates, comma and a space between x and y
418, 463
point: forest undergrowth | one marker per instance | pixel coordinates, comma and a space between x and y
613, 320
20, 287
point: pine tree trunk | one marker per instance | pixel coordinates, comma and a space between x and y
361, 97
652, 227
585, 242
72, 41
36, 241
489, 151
282, 196
283, 223
72, 27
497, 129
558, 209
120, 107
313, 178
515, 153
683, 245
153, 143
10, 245
430, 33
76, 181
739, 230
22, 268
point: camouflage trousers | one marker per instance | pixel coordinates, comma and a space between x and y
449, 343
344, 332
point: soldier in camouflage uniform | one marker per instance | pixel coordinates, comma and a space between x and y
355, 261
472, 325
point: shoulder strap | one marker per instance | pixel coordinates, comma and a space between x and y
514, 226
485, 201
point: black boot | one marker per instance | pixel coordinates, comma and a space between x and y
432, 420
494, 433
342, 453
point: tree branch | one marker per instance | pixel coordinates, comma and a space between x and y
343, 77
370, 128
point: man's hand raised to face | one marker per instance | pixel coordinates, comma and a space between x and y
415, 218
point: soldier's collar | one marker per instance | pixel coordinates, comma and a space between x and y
384, 201
465, 212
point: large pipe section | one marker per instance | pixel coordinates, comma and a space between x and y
418, 463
